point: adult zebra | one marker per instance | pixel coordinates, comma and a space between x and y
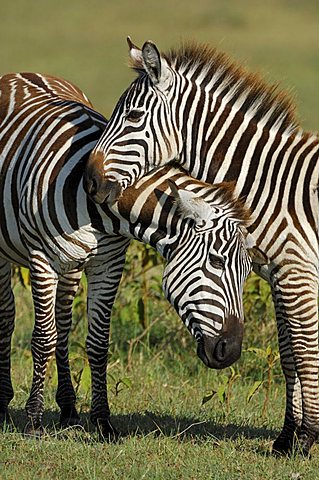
223, 123
47, 130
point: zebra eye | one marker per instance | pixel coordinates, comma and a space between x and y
217, 261
134, 115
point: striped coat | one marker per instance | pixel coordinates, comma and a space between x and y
47, 131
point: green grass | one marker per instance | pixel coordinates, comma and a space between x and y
167, 432
156, 390
156, 382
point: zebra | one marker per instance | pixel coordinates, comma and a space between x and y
195, 106
47, 131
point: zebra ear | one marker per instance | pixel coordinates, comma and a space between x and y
155, 66
135, 52
258, 257
190, 205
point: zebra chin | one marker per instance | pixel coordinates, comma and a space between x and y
222, 351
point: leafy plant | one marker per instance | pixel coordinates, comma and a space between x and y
270, 358
224, 390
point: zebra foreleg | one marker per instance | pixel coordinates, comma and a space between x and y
44, 285
65, 396
103, 284
100, 301
296, 306
7, 315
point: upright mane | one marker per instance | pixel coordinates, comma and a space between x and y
266, 102
224, 193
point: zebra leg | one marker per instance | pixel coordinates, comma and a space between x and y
44, 285
65, 396
7, 315
103, 283
297, 308
293, 416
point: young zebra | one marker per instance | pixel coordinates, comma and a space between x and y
47, 129
225, 124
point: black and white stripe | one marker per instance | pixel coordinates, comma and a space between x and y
47, 131
222, 123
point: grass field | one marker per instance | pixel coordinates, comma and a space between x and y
178, 419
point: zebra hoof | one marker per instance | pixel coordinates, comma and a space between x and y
4, 415
106, 431
294, 445
69, 417
304, 443
33, 431
283, 445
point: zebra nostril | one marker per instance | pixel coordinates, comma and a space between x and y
221, 350
92, 186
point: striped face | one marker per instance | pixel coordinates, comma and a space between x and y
204, 279
136, 139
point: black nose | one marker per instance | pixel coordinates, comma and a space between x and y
222, 351
91, 185
101, 190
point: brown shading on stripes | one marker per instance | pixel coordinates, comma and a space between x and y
224, 193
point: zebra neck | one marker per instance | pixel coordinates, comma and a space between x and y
162, 235
146, 212
250, 155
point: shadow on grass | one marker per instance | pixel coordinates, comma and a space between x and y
186, 427
150, 423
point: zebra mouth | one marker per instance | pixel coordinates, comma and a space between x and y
222, 351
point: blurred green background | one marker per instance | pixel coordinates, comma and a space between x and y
85, 41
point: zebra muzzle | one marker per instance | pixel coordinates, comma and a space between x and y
100, 190
97, 185
222, 351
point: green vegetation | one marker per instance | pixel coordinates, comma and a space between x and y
178, 419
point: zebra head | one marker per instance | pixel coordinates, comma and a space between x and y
135, 140
206, 271
190, 102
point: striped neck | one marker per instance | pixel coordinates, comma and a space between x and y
225, 140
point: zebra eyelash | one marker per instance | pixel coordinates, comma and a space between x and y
133, 115
217, 261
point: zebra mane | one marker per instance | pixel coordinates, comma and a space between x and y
224, 193
221, 194
267, 103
